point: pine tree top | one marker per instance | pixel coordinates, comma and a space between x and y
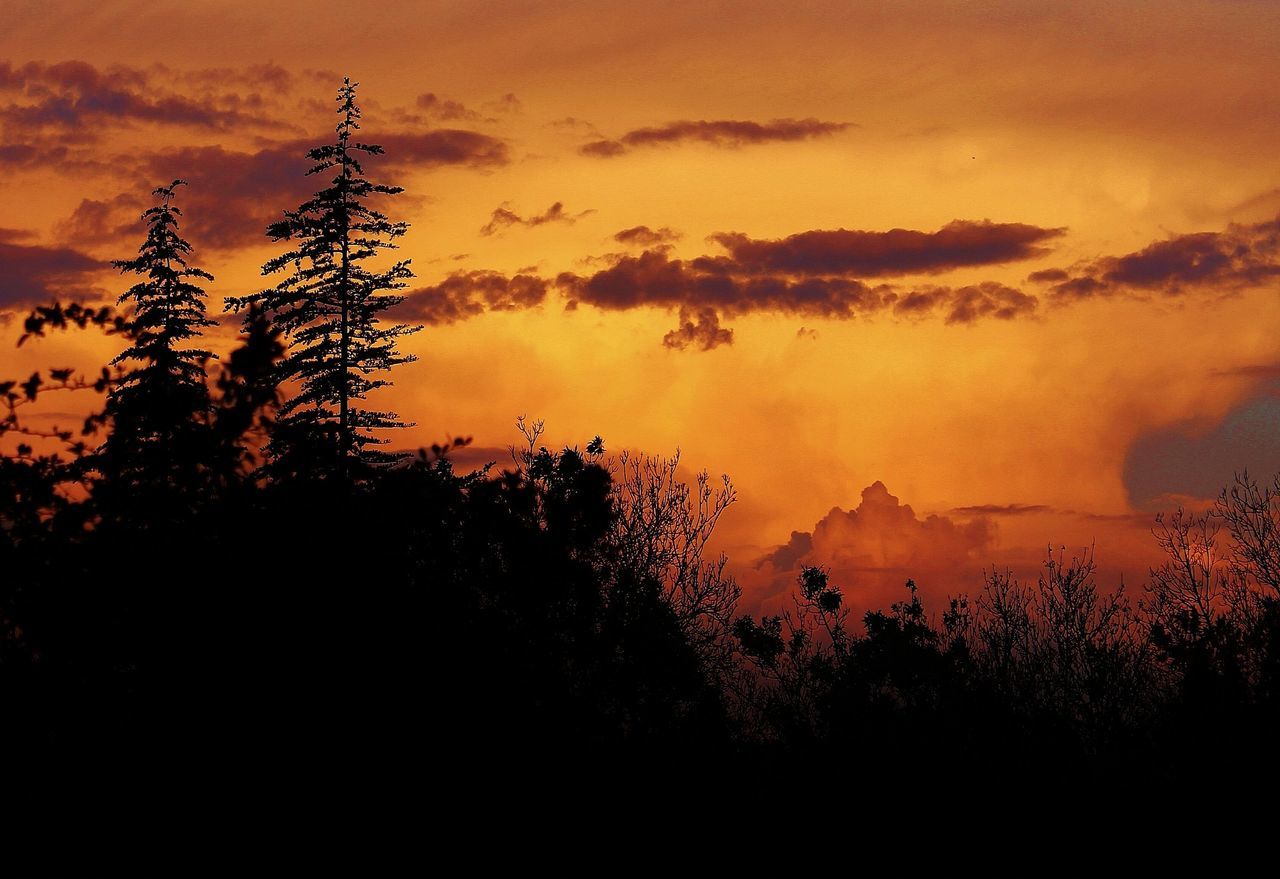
328, 300
168, 304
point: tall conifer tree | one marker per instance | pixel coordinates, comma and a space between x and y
328, 305
158, 408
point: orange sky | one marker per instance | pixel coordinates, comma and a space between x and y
1129, 146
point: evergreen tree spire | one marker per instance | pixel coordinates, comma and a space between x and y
328, 306
159, 405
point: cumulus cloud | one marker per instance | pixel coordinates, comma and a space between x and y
35, 274
959, 244
730, 133
464, 295
1241, 256
701, 330
643, 236
874, 548
504, 218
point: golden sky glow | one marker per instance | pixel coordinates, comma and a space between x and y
1110, 128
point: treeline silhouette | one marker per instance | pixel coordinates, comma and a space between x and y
221, 566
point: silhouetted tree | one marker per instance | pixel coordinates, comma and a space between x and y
1067, 656
37, 470
1197, 605
160, 405
798, 656
1214, 613
329, 305
243, 413
1251, 512
661, 529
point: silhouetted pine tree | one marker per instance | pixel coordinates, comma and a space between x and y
328, 306
158, 407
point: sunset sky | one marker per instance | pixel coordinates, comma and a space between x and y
1011, 265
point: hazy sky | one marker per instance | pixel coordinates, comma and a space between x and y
1017, 262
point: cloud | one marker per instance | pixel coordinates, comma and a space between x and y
965, 305
231, 198
35, 274
409, 151
809, 275
1002, 510
728, 133
791, 555
504, 218
959, 244
464, 295
80, 100
508, 103
873, 549
58, 115
99, 221
76, 118
234, 195
446, 110
655, 279
602, 149
574, 123
701, 331
643, 236
1198, 460
1236, 258
19, 155
62, 158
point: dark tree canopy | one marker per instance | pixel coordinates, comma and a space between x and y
328, 305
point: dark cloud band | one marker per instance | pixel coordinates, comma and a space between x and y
729, 133
1236, 258
959, 244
